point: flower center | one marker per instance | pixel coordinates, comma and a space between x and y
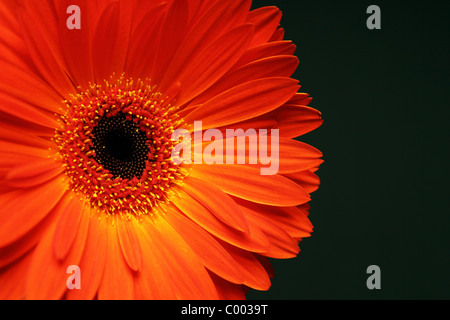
115, 144
120, 147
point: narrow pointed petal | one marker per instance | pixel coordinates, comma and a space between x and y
68, 225
117, 280
236, 179
129, 243
217, 260
92, 262
217, 202
15, 218
244, 102
47, 269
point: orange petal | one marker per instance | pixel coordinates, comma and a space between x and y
33, 173
15, 217
265, 50
129, 244
255, 276
228, 290
297, 156
145, 39
13, 80
12, 280
76, 45
283, 246
294, 121
276, 66
291, 219
41, 42
23, 133
11, 123
209, 251
26, 244
47, 276
210, 64
171, 33
68, 224
117, 280
308, 180
253, 241
266, 21
23, 110
23, 150
300, 99
217, 202
106, 46
170, 269
93, 259
278, 35
247, 183
244, 102
189, 275
154, 280
213, 23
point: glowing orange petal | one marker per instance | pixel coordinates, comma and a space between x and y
292, 220
15, 218
247, 183
68, 225
25, 244
37, 93
25, 111
129, 243
43, 47
244, 102
265, 50
255, 276
145, 36
11, 123
283, 246
190, 277
208, 65
117, 280
46, 268
228, 290
213, 23
254, 241
209, 251
278, 35
217, 202
277, 66
33, 173
21, 150
92, 262
307, 179
154, 281
294, 121
300, 99
20, 133
108, 51
266, 21
12, 280
76, 45
296, 156
172, 32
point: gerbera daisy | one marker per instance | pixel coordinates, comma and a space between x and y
87, 116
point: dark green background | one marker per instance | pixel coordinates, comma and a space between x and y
384, 95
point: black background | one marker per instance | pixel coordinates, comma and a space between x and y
384, 95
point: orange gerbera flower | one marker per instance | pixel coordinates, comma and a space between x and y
91, 94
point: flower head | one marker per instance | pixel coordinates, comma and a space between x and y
89, 123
